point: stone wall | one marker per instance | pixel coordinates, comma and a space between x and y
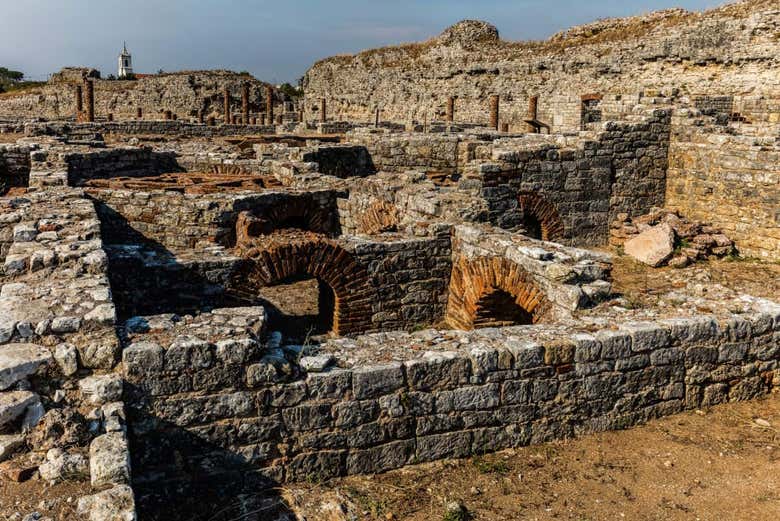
181, 129
195, 403
731, 181
179, 221
14, 166
726, 51
117, 162
574, 186
183, 93
391, 152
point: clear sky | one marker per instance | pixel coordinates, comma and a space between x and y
274, 40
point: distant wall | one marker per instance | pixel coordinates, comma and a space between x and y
732, 182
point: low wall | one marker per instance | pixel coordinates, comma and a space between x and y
229, 420
117, 162
732, 182
181, 129
402, 152
15, 166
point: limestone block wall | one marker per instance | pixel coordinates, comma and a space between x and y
621, 169
481, 392
116, 162
732, 182
177, 128
181, 221
393, 152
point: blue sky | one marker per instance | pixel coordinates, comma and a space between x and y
274, 40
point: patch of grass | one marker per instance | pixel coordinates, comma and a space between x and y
679, 244
456, 515
375, 507
490, 467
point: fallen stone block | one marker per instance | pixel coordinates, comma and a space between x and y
17, 361
653, 246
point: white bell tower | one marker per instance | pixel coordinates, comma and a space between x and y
125, 63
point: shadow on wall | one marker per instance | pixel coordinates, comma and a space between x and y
210, 483
147, 279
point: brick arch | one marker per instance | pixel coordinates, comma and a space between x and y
380, 216
475, 284
534, 205
317, 257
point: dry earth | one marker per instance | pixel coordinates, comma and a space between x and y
719, 464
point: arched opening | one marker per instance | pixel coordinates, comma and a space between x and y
540, 218
532, 226
499, 308
493, 292
300, 306
344, 291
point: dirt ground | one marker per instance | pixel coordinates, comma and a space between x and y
721, 464
641, 282
58, 501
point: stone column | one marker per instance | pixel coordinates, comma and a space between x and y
504, 127
139, 113
254, 120
279, 119
376, 118
450, 117
226, 102
235, 119
262, 119
269, 104
323, 110
494, 111
79, 102
89, 89
110, 116
245, 102
533, 111
200, 116
211, 121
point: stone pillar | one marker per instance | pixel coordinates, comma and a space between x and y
376, 118
79, 101
504, 127
323, 110
200, 116
450, 117
533, 112
245, 102
269, 104
254, 120
226, 101
211, 121
279, 119
139, 113
89, 89
110, 116
235, 119
494, 111
262, 119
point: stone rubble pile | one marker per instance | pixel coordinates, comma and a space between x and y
662, 238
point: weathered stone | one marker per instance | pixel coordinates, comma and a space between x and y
17, 361
653, 246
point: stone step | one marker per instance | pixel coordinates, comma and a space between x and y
18, 361
14, 403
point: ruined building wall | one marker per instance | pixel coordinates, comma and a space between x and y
402, 152
488, 392
731, 181
584, 183
14, 166
183, 93
725, 51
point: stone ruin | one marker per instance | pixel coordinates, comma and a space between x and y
203, 309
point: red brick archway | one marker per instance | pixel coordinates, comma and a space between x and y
273, 261
538, 210
478, 284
